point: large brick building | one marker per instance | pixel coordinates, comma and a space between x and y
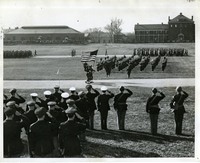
43, 34
178, 29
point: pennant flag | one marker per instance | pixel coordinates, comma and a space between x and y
89, 56
58, 71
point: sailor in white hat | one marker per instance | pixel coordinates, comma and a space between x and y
103, 105
63, 103
74, 94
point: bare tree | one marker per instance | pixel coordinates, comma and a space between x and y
94, 33
114, 27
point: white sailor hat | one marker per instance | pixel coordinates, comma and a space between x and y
65, 95
104, 88
34, 94
72, 89
47, 92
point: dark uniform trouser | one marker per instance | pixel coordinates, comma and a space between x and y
121, 118
154, 123
91, 119
104, 115
178, 120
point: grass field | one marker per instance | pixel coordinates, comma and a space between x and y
72, 68
137, 141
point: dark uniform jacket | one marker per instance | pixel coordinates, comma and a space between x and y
12, 132
120, 100
91, 97
58, 96
68, 137
31, 118
83, 107
179, 98
16, 99
73, 97
103, 101
152, 104
41, 137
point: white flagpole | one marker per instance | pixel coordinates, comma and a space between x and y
58, 76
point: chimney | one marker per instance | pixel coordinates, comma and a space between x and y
168, 18
181, 13
192, 17
137, 23
162, 23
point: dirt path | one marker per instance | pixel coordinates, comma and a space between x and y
47, 84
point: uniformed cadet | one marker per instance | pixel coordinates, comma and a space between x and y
74, 94
15, 97
91, 94
13, 145
41, 134
48, 97
89, 74
13, 105
153, 109
121, 106
57, 93
178, 108
103, 105
35, 98
63, 103
30, 113
68, 133
164, 63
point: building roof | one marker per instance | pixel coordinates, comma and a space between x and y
8, 30
151, 27
44, 30
181, 19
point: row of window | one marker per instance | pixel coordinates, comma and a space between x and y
151, 38
48, 38
181, 25
151, 32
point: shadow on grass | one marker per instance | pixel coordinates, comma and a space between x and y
136, 136
91, 149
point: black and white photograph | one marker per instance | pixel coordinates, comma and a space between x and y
100, 80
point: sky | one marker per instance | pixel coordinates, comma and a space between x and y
85, 14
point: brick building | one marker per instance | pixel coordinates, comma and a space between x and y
43, 34
178, 29
181, 29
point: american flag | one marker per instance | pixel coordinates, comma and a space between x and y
89, 56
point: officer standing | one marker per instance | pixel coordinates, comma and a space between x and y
103, 105
15, 97
178, 108
12, 131
57, 93
41, 134
164, 63
68, 134
121, 106
91, 97
153, 109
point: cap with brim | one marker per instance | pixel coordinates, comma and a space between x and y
34, 94
70, 101
70, 110
39, 112
56, 86
88, 86
51, 103
12, 90
10, 103
178, 89
104, 88
9, 111
72, 89
65, 95
31, 103
47, 92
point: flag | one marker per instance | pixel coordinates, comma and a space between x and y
89, 56
58, 71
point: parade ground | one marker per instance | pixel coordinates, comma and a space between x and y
53, 65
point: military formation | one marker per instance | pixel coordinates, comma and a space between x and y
55, 125
141, 57
18, 54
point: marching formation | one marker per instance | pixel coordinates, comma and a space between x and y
18, 54
56, 124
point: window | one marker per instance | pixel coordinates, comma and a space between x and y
175, 25
171, 25
185, 25
22, 38
57, 38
